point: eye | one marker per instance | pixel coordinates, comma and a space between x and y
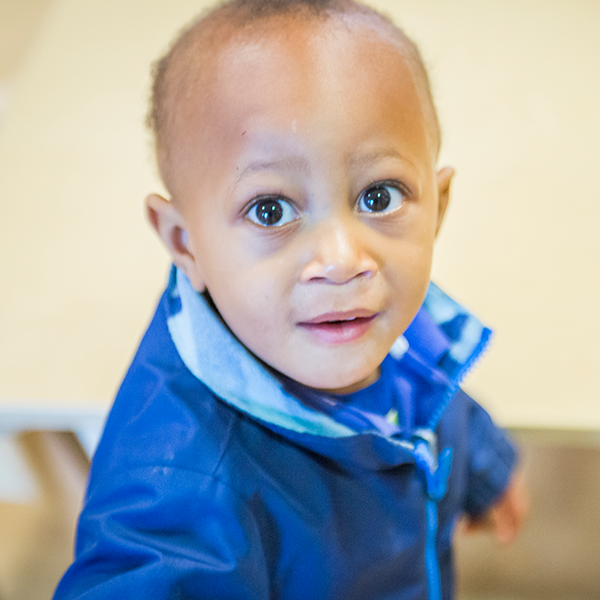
380, 197
272, 212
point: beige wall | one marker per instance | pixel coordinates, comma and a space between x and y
518, 93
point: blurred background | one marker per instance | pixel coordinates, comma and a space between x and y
518, 92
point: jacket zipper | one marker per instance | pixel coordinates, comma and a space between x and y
479, 351
436, 471
432, 566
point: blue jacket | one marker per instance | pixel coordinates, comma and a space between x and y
212, 480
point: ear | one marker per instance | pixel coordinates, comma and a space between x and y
444, 179
170, 226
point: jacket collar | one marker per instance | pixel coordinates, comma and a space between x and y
439, 346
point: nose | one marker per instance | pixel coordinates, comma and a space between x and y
338, 254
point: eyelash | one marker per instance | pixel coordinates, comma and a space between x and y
287, 210
281, 207
384, 184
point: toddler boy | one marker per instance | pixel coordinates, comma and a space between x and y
292, 426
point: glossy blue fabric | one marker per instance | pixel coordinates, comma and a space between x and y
191, 497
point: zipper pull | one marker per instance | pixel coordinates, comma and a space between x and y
435, 469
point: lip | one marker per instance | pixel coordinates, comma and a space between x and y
337, 327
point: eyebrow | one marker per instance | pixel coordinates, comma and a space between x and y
290, 163
371, 157
298, 163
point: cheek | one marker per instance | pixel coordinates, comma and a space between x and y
408, 273
249, 299
409, 260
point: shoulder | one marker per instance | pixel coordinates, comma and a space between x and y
163, 416
464, 421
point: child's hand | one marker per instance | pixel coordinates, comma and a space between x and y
505, 517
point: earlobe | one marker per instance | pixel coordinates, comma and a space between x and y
444, 179
170, 226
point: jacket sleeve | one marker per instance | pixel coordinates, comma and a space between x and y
165, 533
492, 458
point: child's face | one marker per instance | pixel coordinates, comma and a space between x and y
306, 183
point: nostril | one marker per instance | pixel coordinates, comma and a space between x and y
337, 273
366, 273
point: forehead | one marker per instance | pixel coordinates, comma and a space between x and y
293, 70
305, 49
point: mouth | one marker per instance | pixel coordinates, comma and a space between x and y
339, 327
